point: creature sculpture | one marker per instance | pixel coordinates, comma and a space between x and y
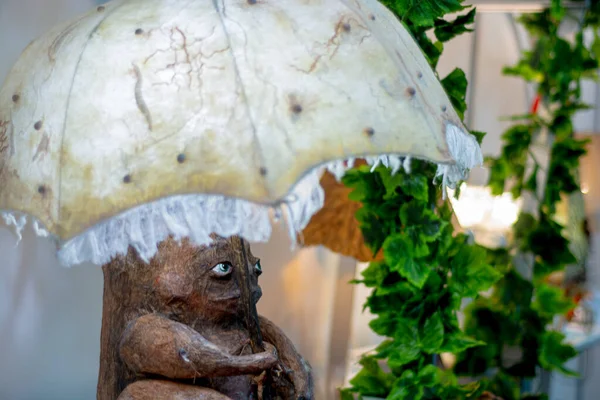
173, 329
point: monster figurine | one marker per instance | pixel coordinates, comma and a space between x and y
174, 329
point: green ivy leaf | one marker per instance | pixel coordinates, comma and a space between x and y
525, 71
498, 175
564, 160
392, 183
546, 240
423, 12
479, 136
505, 386
373, 228
557, 11
554, 353
447, 30
471, 273
411, 386
432, 51
400, 256
542, 396
429, 376
346, 394
468, 391
401, 354
525, 224
459, 342
416, 186
406, 387
455, 85
531, 183
375, 274
542, 269
513, 292
398, 353
384, 324
432, 334
365, 184
550, 300
371, 379
422, 225
596, 46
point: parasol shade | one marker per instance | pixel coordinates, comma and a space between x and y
149, 118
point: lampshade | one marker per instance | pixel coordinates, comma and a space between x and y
145, 119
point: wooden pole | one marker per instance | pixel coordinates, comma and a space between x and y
243, 276
250, 313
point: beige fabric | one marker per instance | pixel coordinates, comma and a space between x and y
142, 99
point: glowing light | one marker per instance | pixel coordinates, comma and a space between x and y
585, 188
478, 210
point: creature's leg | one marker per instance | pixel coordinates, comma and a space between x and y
153, 344
165, 390
297, 368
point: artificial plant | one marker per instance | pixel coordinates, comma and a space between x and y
518, 314
426, 269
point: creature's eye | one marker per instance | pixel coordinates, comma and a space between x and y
258, 268
222, 269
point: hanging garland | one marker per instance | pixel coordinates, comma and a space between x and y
426, 269
518, 315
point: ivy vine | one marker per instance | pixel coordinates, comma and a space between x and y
427, 268
520, 311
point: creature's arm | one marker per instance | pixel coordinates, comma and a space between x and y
153, 344
295, 366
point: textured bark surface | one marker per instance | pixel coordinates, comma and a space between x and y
175, 328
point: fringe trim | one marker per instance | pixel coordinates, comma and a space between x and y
198, 216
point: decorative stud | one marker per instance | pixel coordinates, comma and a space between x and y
296, 108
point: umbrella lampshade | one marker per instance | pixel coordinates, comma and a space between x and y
145, 119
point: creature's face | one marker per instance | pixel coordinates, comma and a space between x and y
203, 281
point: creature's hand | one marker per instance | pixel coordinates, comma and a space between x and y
260, 361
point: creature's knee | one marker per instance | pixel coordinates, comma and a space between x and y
165, 390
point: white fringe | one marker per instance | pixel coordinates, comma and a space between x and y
197, 216
465, 150
17, 220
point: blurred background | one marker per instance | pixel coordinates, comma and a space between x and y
50, 316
